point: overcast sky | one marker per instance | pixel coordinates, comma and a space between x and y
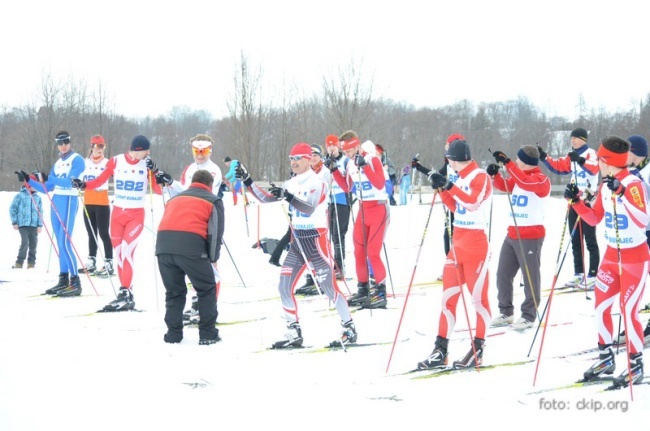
153, 55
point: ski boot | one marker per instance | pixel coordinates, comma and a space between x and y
108, 269
64, 281
635, 371
606, 363
361, 295
292, 339
377, 297
473, 358
437, 358
74, 289
90, 266
123, 302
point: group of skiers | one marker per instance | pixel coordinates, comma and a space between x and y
319, 201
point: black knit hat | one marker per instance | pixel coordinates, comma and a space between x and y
459, 151
140, 143
579, 133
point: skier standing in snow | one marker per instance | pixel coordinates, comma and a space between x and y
582, 164
528, 189
97, 214
130, 173
310, 248
188, 244
201, 146
622, 201
65, 204
448, 172
316, 163
467, 263
338, 206
639, 165
25, 213
367, 176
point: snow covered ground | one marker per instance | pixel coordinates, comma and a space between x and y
63, 368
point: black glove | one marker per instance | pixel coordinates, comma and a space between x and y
151, 165
78, 184
438, 180
614, 185
575, 157
22, 176
241, 173
500, 157
330, 163
281, 193
542, 153
163, 178
415, 162
359, 160
41, 177
492, 169
572, 193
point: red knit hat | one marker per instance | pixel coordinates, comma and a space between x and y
455, 137
332, 141
349, 144
301, 149
97, 139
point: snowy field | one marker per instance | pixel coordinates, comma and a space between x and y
62, 367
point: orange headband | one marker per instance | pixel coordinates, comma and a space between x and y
618, 160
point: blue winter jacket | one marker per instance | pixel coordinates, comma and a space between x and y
22, 210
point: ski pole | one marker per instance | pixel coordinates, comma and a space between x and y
624, 299
153, 238
233, 261
408, 291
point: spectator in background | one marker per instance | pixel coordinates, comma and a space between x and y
405, 184
233, 182
25, 212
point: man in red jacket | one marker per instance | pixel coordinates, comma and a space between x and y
188, 243
528, 188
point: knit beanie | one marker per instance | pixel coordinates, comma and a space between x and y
453, 137
301, 149
459, 151
579, 133
140, 143
638, 145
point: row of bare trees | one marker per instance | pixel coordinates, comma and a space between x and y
259, 130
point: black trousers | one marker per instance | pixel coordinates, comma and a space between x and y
588, 232
173, 269
100, 219
339, 220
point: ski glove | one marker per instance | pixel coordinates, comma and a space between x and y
281, 193
492, 169
41, 177
359, 160
22, 176
500, 157
575, 157
241, 173
572, 193
415, 162
78, 184
163, 178
151, 165
542, 153
330, 163
439, 181
614, 185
